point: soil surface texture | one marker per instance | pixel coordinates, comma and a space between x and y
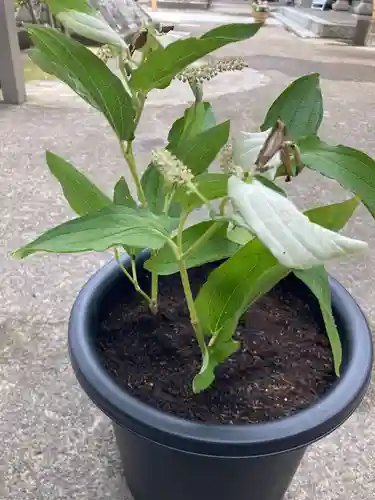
284, 364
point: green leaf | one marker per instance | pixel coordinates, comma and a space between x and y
216, 248
212, 186
177, 128
86, 74
81, 194
300, 107
58, 6
110, 227
335, 216
154, 188
270, 184
164, 63
42, 62
188, 142
122, 195
316, 279
228, 292
239, 235
198, 118
199, 151
156, 191
235, 285
353, 169
206, 374
209, 119
250, 273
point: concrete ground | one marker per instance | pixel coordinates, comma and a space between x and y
54, 444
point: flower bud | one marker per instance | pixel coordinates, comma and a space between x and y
173, 170
104, 53
227, 164
201, 70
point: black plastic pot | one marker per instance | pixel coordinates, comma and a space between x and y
169, 458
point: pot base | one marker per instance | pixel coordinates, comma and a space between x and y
147, 467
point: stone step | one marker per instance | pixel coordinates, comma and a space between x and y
181, 4
330, 24
196, 19
294, 27
235, 8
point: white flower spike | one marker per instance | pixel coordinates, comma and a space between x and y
207, 68
294, 241
173, 170
227, 164
246, 148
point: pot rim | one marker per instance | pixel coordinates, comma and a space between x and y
298, 430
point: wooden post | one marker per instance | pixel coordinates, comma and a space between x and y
11, 69
154, 4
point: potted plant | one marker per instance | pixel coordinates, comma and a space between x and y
260, 10
224, 349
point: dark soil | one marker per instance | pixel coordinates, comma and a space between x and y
285, 363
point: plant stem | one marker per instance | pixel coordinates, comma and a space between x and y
167, 202
223, 202
154, 291
122, 66
141, 103
134, 271
197, 89
127, 151
207, 202
186, 284
131, 278
205, 237
180, 229
191, 306
127, 148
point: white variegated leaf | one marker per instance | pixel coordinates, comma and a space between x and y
93, 27
294, 241
246, 148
